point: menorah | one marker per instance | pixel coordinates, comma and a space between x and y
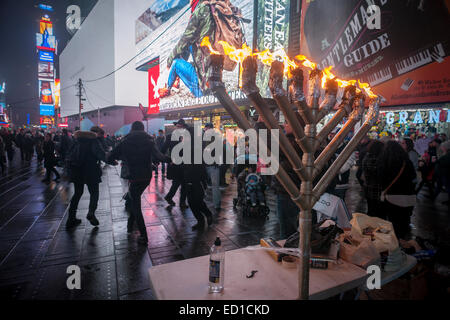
312, 110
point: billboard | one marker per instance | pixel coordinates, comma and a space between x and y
46, 56
272, 33
57, 93
46, 110
47, 120
46, 70
153, 94
46, 92
45, 41
405, 60
45, 25
170, 31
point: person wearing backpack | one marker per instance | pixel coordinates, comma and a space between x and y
216, 19
84, 169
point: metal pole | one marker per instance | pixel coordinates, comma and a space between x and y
80, 84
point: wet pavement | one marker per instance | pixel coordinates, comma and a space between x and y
36, 249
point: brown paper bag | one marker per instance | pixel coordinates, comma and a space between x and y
384, 238
359, 252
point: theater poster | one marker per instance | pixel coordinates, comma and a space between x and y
405, 60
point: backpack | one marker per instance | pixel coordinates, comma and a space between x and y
227, 19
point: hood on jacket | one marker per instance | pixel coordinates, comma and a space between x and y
85, 135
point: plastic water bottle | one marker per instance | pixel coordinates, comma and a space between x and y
216, 266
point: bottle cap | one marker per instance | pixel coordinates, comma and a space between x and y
217, 242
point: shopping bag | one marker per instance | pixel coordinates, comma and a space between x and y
333, 207
360, 252
379, 231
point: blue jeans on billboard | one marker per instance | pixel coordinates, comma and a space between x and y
186, 71
214, 175
287, 215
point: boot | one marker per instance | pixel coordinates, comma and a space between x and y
92, 219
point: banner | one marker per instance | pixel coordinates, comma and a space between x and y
170, 32
153, 95
405, 58
273, 34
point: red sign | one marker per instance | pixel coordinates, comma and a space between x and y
153, 94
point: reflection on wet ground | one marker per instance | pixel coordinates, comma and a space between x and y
36, 249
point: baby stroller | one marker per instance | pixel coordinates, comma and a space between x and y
250, 196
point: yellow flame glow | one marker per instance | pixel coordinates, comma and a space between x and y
267, 57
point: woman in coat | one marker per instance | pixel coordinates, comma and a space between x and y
84, 169
396, 173
49, 159
371, 182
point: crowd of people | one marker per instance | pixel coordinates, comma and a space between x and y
391, 172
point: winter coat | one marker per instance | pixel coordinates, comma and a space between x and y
286, 165
28, 143
160, 142
49, 154
137, 152
404, 184
372, 187
201, 24
443, 166
84, 157
66, 144
174, 171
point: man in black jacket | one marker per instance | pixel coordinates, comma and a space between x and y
175, 171
137, 150
84, 168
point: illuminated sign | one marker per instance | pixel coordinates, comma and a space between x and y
153, 95
46, 25
46, 70
2, 87
46, 7
46, 56
45, 41
57, 93
46, 92
431, 116
46, 110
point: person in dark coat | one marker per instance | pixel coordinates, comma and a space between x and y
8, 140
175, 171
39, 145
84, 169
65, 145
391, 161
361, 149
2, 155
19, 139
195, 177
49, 159
137, 151
160, 140
371, 182
28, 146
442, 171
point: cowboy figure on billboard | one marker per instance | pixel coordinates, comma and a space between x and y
216, 19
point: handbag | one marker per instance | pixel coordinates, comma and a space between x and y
405, 201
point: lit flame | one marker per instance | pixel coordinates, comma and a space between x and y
237, 55
267, 58
205, 43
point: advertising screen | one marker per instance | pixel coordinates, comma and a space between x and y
153, 95
47, 120
46, 25
46, 56
57, 93
170, 31
46, 92
45, 41
2, 87
46, 110
405, 59
46, 70
272, 33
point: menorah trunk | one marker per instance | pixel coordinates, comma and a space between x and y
296, 107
